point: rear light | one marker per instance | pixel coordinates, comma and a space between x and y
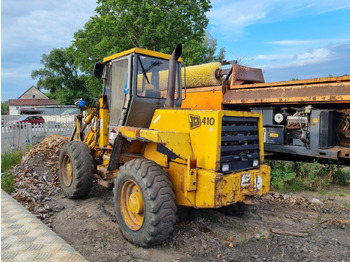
193, 164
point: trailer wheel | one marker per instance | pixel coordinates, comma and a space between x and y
144, 202
76, 171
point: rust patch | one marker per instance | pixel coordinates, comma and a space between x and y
332, 92
217, 195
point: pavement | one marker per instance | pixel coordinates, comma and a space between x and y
25, 238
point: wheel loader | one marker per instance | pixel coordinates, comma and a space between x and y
156, 155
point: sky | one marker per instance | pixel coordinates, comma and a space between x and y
287, 39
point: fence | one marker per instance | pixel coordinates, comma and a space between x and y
18, 136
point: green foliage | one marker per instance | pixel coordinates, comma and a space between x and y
155, 25
119, 25
294, 176
8, 160
7, 182
339, 175
282, 176
314, 176
4, 108
295, 79
60, 77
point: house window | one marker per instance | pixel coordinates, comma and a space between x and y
33, 96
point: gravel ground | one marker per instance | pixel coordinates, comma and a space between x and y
280, 227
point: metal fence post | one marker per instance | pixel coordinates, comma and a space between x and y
29, 134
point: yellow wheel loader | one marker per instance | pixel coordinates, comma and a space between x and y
156, 155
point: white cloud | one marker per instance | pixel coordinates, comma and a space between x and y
313, 56
332, 58
44, 23
273, 57
235, 16
32, 28
19, 71
295, 42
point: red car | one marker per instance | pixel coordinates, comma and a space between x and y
34, 120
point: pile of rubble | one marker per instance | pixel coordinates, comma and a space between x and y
325, 206
36, 178
288, 199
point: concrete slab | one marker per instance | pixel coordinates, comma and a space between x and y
25, 238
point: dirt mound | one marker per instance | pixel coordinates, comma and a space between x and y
36, 178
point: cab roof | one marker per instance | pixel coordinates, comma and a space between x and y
139, 51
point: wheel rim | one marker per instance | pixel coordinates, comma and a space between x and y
67, 171
131, 205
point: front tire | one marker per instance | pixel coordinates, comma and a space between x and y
144, 203
76, 172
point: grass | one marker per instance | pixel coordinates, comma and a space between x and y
8, 160
288, 176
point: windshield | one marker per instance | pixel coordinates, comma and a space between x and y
152, 77
22, 118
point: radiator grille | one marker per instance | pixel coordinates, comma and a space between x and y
239, 143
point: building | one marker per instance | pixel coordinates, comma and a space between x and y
33, 101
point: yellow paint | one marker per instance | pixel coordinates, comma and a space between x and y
215, 189
151, 153
178, 142
204, 139
191, 177
104, 120
138, 51
131, 205
177, 175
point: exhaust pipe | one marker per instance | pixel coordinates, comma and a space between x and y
172, 76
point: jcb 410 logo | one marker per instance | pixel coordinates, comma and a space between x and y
195, 121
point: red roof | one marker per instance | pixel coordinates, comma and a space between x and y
32, 102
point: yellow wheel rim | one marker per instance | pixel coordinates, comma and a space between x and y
131, 205
67, 171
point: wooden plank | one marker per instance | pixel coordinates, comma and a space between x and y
288, 233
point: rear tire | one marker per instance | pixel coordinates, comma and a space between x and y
76, 172
144, 203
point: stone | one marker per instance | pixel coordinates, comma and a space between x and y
316, 201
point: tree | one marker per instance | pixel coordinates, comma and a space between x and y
60, 77
157, 25
118, 26
210, 45
4, 108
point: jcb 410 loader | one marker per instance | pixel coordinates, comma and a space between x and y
157, 155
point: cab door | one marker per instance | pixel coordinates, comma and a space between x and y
117, 89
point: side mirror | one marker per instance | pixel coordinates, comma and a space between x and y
98, 70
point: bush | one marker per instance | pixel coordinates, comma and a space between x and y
8, 160
294, 176
283, 176
7, 182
